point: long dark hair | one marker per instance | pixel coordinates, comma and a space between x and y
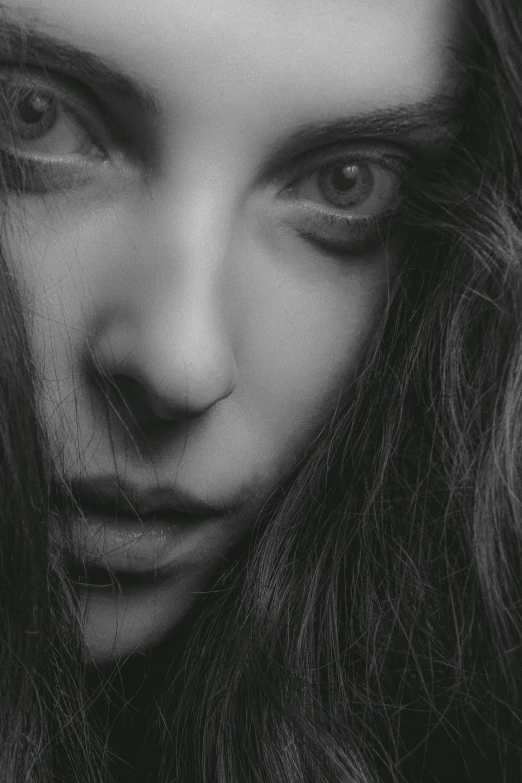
370, 630
42, 706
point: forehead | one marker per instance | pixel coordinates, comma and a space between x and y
247, 56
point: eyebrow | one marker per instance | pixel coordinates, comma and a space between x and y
428, 124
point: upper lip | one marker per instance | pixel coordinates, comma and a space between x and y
108, 495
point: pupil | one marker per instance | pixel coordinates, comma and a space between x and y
345, 178
33, 107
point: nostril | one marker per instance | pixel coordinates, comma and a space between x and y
134, 404
129, 399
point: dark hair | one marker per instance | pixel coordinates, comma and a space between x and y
42, 712
370, 630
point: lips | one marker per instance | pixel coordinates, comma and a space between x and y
108, 496
123, 529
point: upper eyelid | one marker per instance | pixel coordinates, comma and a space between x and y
49, 79
82, 101
361, 149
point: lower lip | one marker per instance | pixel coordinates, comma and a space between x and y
141, 547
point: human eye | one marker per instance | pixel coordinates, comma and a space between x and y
346, 199
53, 133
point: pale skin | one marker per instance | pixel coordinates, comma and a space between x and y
178, 265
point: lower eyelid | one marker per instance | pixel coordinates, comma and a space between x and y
344, 235
303, 209
33, 175
327, 223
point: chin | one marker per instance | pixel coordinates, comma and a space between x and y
123, 622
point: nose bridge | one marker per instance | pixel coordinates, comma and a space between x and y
172, 329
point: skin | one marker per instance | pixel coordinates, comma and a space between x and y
179, 269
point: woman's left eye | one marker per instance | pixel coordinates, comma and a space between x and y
348, 204
356, 187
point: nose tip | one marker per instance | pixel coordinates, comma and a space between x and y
164, 371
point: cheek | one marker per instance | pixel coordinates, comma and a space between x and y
307, 335
61, 258
57, 257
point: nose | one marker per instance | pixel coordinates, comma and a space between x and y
163, 351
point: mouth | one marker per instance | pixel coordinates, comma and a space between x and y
109, 496
124, 534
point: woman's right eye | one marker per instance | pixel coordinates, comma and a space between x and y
50, 128
36, 122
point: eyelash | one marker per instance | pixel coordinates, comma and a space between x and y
359, 235
80, 101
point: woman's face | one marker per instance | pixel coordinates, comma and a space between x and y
203, 238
